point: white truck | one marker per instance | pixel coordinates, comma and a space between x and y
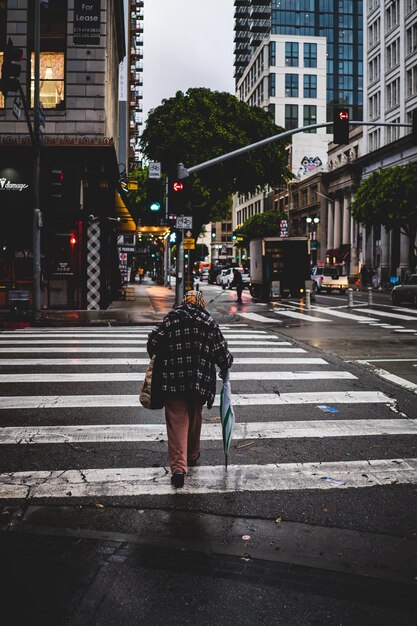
329, 278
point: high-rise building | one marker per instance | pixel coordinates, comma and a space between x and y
340, 21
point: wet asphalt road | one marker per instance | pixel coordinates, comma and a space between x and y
303, 556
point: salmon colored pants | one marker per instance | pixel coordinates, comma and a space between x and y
183, 415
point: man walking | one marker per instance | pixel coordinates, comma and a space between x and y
189, 344
238, 283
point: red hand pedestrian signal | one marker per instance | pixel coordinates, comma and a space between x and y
341, 125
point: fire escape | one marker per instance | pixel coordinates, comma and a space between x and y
135, 108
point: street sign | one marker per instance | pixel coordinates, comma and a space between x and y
188, 233
132, 184
154, 170
17, 104
184, 222
189, 243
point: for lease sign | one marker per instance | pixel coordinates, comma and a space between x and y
86, 22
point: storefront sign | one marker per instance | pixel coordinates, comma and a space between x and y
63, 268
86, 22
8, 185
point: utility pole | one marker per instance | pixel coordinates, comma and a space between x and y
37, 216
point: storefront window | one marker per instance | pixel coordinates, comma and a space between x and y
51, 79
1, 95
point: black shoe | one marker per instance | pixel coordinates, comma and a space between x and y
193, 463
177, 480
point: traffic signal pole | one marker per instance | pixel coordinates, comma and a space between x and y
183, 171
37, 216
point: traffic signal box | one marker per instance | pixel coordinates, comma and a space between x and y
155, 196
178, 191
11, 68
341, 125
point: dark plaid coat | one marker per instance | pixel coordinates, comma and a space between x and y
189, 344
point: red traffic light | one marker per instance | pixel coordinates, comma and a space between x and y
344, 114
73, 240
177, 186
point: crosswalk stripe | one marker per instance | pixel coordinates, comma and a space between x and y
255, 317
81, 349
299, 316
397, 316
343, 314
138, 342
98, 377
239, 399
6, 337
131, 482
123, 433
73, 361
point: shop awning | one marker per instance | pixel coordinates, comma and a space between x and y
126, 224
338, 255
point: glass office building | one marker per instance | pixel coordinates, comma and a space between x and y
340, 21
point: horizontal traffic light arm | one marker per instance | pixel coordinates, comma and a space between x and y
184, 171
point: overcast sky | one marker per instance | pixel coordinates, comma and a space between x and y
187, 43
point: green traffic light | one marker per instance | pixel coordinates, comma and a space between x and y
155, 206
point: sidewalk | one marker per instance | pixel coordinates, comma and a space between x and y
151, 302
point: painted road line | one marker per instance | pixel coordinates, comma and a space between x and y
239, 399
343, 315
109, 350
116, 361
403, 310
299, 316
254, 341
259, 318
262, 334
392, 378
124, 433
397, 316
99, 377
405, 330
133, 482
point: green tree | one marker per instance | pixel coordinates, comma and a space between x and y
260, 225
389, 197
137, 197
201, 124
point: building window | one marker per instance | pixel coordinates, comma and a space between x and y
410, 5
374, 69
372, 4
51, 79
310, 86
52, 58
310, 55
411, 81
393, 94
272, 53
392, 15
393, 54
375, 106
393, 132
291, 116
291, 85
271, 111
374, 36
3, 33
411, 39
291, 54
374, 139
310, 117
271, 85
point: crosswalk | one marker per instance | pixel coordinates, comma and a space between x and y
54, 393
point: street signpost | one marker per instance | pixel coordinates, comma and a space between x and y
184, 222
154, 169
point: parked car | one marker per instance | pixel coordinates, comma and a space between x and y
327, 278
225, 278
406, 292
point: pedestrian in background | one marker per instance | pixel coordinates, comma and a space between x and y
238, 283
189, 345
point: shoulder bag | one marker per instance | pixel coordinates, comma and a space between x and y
151, 396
